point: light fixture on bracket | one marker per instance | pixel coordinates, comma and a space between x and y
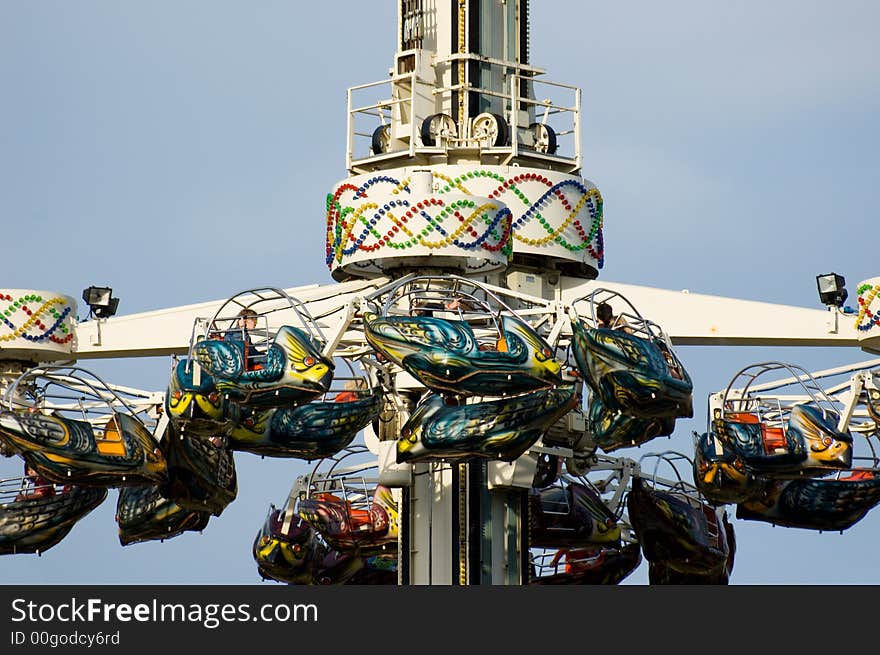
101, 302
832, 291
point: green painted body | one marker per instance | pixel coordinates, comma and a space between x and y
36, 524
144, 514
69, 451
639, 377
310, 431
495, 429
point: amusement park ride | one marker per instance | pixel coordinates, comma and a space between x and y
467, 415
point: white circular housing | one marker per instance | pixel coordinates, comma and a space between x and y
36, 326
383, 220
397, 219
868, 320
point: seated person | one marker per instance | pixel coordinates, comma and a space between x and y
607, 319
458, 305
253, 357
671, 364
37, 486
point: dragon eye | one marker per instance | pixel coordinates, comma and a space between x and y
827, 441
309, 361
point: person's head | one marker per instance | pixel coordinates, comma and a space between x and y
247, 319
604, 313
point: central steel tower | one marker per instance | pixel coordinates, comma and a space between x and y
464, 160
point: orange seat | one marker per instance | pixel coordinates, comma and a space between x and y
360, 518
581, 560
249, 364
859, 474
111, 441
774, 439
741, 417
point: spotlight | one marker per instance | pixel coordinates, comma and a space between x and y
101, 302
831, 289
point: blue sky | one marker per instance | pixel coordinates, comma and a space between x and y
181, 152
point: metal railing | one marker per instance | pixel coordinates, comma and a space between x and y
380, 110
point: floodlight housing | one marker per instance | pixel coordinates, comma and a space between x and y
100, 300
831, 289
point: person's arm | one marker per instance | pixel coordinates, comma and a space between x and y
620, 323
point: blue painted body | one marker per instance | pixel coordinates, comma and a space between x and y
310, 431
639, 377
495, 429
294, 370
446, 356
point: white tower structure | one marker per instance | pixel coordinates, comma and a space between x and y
465, 158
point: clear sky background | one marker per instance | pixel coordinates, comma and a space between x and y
181, 152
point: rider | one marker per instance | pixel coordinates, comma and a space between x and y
607, 319
37, 486
247, 321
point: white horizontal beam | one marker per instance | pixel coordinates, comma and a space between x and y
688, 318
694, 319
167, 331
